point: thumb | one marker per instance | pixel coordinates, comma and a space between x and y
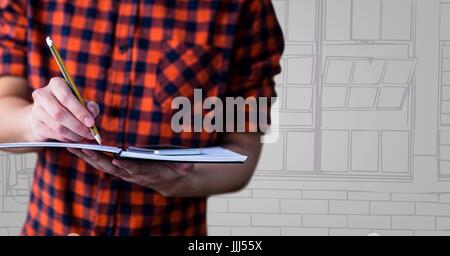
93, 108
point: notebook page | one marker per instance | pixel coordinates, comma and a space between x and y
209, 155
95, 147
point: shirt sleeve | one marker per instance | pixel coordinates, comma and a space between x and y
13, 27
258, 46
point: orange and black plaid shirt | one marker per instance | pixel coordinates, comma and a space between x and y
133, 57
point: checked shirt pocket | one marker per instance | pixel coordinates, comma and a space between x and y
184, 67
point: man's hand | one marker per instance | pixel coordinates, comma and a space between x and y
57, 114
162, 177
184, 180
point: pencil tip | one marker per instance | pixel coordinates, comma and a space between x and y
98, 139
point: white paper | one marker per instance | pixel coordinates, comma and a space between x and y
94, 147
210, 155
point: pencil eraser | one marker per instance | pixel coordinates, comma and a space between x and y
49, 41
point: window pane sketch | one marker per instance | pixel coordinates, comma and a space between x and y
346, 65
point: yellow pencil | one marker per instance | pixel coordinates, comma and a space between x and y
72, 85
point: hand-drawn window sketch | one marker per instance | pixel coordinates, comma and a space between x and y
372, 156
369, 83
16, 173
444, 80
349, 62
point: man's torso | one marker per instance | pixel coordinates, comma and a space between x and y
132, 57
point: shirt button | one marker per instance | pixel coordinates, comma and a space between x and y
115, 112
123, 48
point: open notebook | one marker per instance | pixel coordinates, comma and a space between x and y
194, 155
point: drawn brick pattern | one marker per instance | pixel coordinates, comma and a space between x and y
319, 212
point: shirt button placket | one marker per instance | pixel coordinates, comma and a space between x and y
117, 103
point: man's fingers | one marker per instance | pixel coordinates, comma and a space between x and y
183, 169
154, 172
135, 168
99, 162
58, 108
93, 108
61, 121
43, 131
126, 165
81, 155
56, 127
99, 159
59, 113
156, 169
105, 164
65, 96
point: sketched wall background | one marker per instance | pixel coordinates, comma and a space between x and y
364, 128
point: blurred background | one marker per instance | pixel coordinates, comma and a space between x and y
364, 135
